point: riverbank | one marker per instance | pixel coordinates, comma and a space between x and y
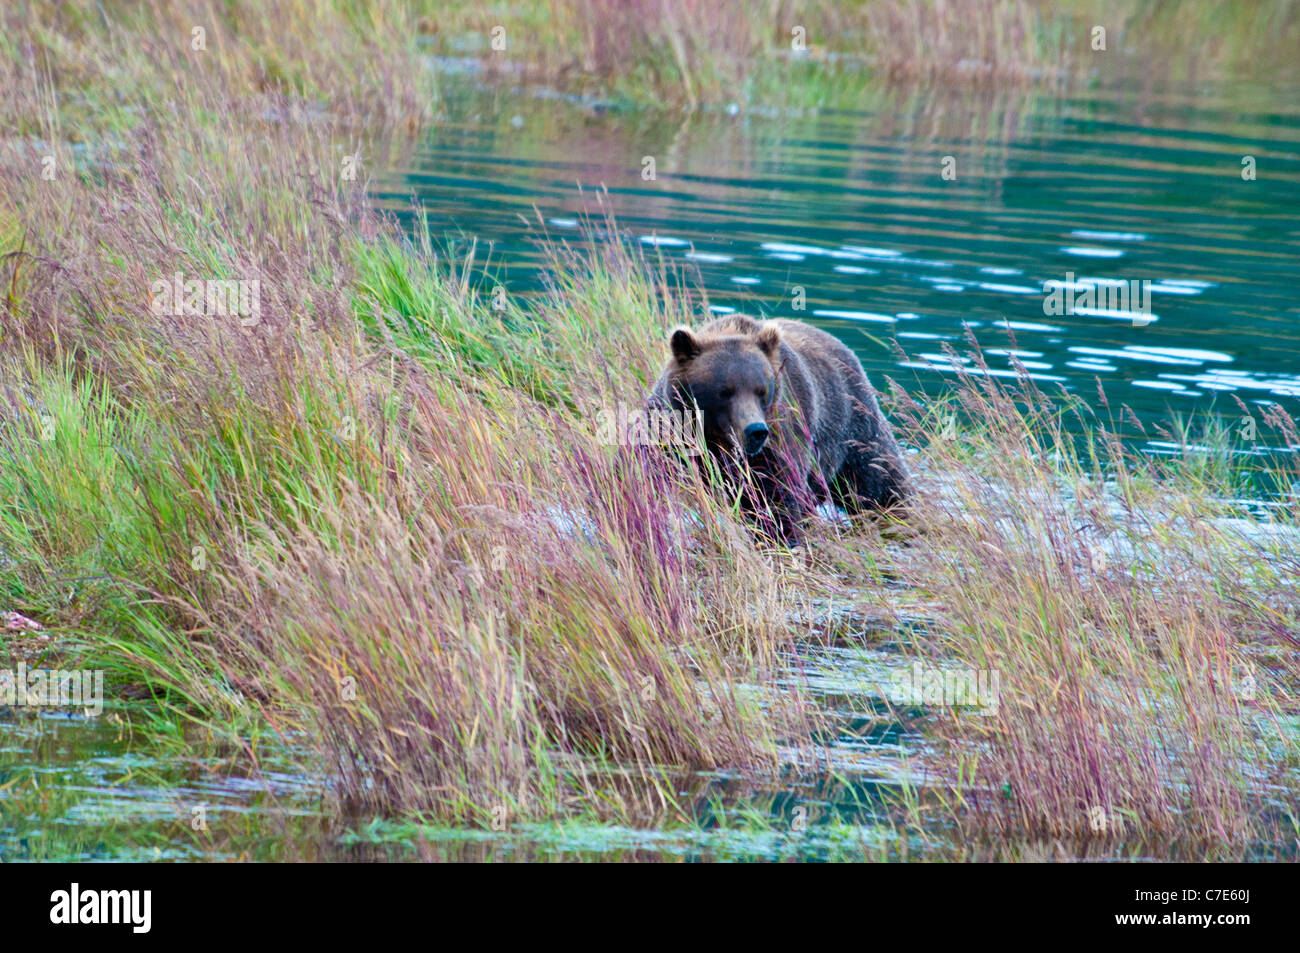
827, 53
373, 517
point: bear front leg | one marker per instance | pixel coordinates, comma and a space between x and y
873, 476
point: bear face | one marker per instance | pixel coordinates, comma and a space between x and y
732, 379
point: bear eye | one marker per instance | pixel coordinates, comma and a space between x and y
727, 393
762, 393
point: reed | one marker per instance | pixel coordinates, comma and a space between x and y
1141, 625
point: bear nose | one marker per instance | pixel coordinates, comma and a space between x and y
755, 437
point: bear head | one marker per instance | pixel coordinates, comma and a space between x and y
730, 374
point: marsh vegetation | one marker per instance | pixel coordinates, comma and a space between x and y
366, 555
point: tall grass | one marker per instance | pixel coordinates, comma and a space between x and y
1141, 626
381, 516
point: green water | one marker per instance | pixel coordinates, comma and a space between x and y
1117, 182
1113, 184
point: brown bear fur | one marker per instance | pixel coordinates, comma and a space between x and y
826, 436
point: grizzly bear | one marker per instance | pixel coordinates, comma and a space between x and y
787, 409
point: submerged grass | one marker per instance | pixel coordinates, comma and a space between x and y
380, 519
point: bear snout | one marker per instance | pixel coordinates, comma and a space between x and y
755, 438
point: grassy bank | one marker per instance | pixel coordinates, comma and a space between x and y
379, 518
374, 515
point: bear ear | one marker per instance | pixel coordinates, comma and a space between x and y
769, 338
685, 345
